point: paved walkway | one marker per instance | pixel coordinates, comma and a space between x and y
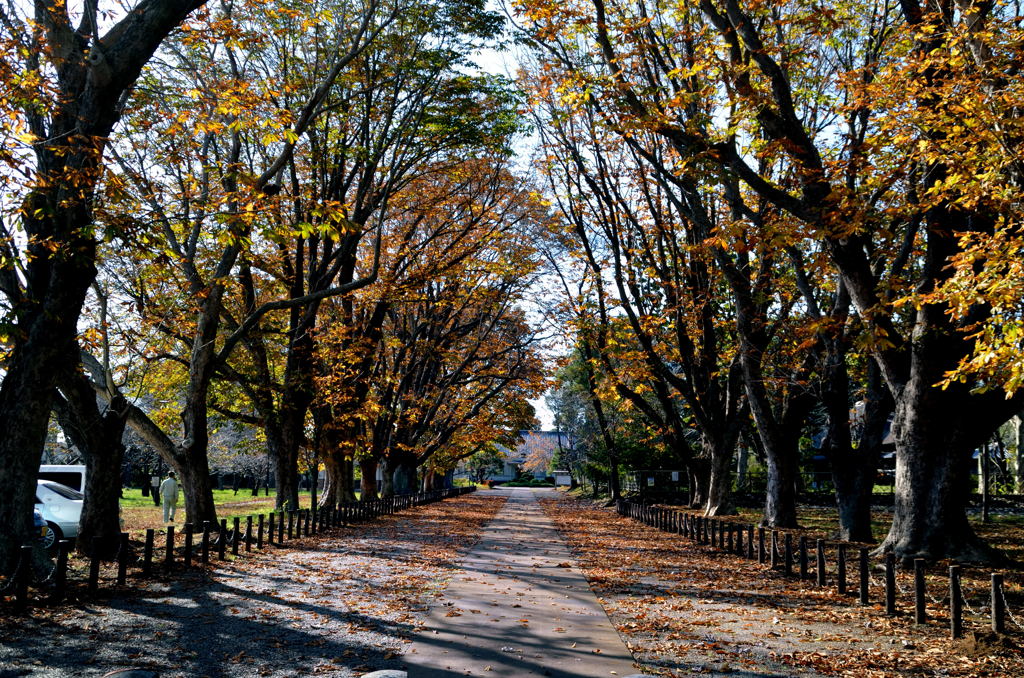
519, 606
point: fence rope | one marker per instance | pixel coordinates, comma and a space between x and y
49, 575
937, 601
1009, 612
10, 581
963, 599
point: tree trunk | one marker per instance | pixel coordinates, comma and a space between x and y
286, 472
368, 486
719, 496
780, 499
933, 464
99, 437
408, 471
699, 473
32, 368
400, 480
854, 468
387, 487
1018, 453
742, 464
196, 484
613, 478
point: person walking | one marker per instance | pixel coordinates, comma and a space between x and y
169, 494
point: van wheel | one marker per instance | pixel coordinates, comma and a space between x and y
52, 537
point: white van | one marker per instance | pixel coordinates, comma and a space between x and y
72, 475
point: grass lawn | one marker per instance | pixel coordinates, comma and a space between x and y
139, 513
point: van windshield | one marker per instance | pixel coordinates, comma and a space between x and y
64, 491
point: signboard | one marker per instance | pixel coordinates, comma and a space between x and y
675, 476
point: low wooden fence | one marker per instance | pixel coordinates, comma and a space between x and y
800, 558
201, 545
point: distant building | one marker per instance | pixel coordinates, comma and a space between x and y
537, 444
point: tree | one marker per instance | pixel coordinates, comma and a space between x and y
849, 124
67, 89
454, 360
627, 218
215, 203
487, 461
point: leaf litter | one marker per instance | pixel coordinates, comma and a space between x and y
685, 609
333, 605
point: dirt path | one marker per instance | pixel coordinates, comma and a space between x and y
335, 606
518, 606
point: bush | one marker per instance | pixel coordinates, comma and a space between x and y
546, 482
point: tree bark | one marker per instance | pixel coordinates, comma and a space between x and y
387, 486
719, 497
719, 494
368, 485
98, 436
1018, 459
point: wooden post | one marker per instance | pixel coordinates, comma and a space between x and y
280, 528
788, 564
147, 553
60, 576
188, 544
890, 584
774, 549
270, 529
729, 528
235, 529
819, 561
94, 566
804, 565
998, 604
169, 547
122, 560
23, 575
305, 531
222, 541
248, 534
291, 523
739, 540
760, 545
750, 542
956, 621
864, 576
841, 569
204, 553
259, 531
920, 611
